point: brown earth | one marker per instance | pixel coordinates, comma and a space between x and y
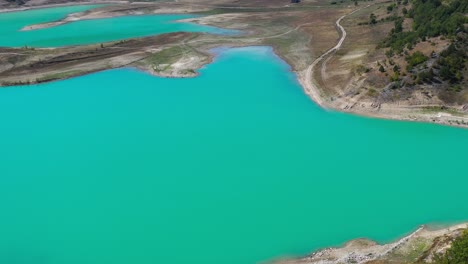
20, 66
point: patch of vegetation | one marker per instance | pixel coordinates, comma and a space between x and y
373, 19
415, 59
456, 88
457, 253
18, 2
8, 83
166, 57
360, 69
431, 18
419, 246
424, 76
437, 109
446, 19
381, 69
57, 76
372, 92
190, 71
452, 62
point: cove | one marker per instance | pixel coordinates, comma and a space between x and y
88, 31
236, 166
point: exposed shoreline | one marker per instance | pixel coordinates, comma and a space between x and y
405, 114
413, 113
430, 241
355, 250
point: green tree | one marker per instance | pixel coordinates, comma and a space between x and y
415, 59
405, 11
389, 8
373, 19
452, 62
398, 25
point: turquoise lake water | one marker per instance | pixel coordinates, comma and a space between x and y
122, 167
88, 31
236, 166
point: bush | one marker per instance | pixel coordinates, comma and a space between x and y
395, 77
373, 19
415, 59
452, 62
390, 8
372, 92
457, 253
405, 11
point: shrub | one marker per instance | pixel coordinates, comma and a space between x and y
415, 59
390, 8
452, 62
373, 19
457, 253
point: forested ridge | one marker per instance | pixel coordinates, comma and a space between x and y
430, 19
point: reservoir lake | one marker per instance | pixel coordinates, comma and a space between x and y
235, 166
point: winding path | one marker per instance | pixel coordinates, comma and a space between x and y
306, 77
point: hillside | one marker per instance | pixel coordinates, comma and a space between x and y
411, 61
402, 59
